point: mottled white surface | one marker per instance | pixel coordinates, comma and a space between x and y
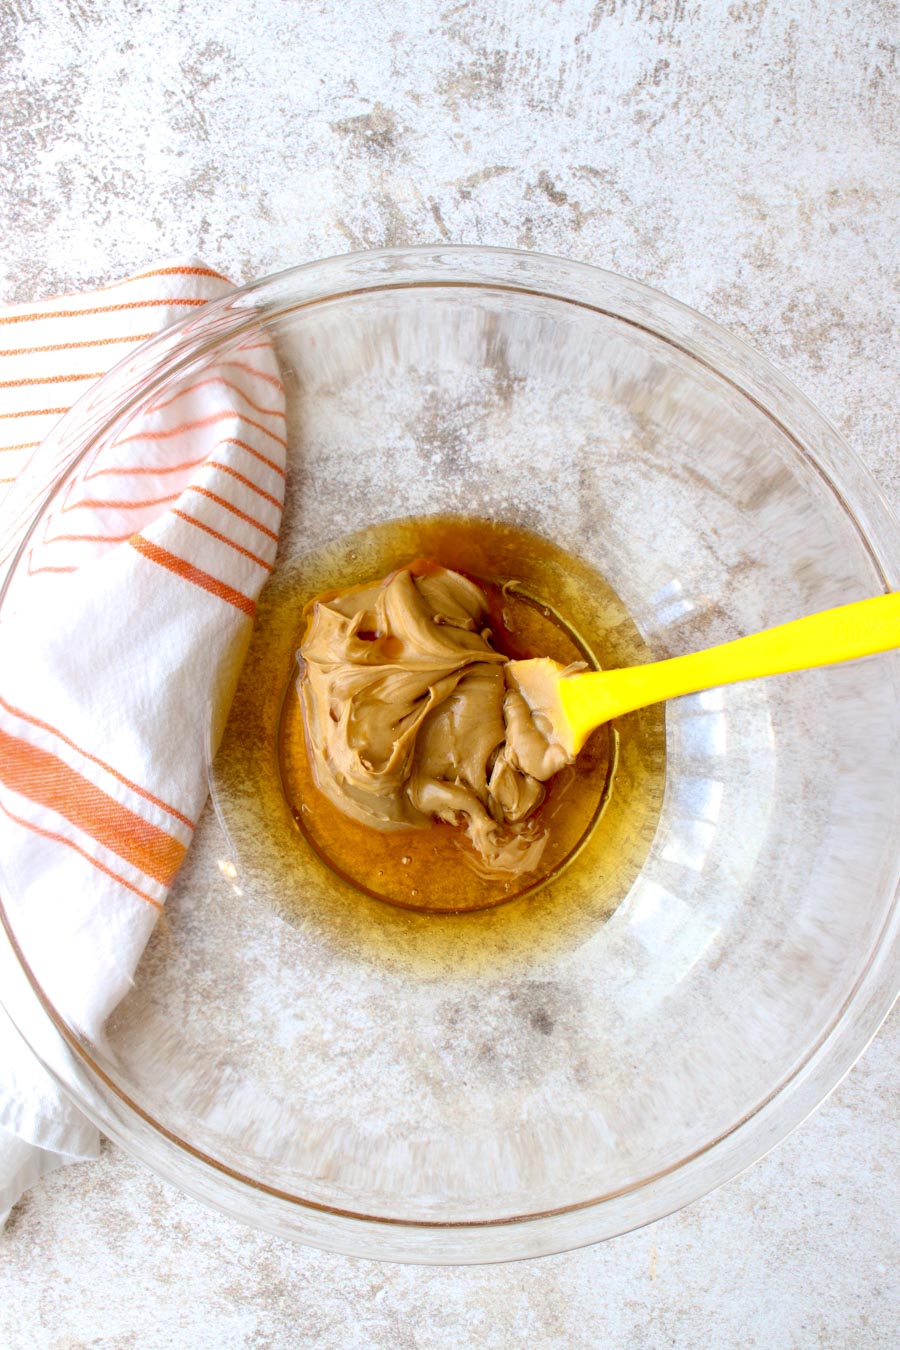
743, 158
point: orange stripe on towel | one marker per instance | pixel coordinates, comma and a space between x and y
169, 272
126, 471
87, 539
44, 778
235, 510
195, 575
118, 505
71, 346
98, 309
247, 482
126, 782
50, 379
264, 459
216, 379
70, 843
255, 370
208, 529
35, 412
226, 415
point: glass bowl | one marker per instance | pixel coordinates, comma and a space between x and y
483, 1087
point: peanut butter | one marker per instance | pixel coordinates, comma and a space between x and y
409, 719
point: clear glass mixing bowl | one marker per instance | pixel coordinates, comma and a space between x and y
298, 1067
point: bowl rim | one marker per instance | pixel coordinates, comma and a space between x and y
159, 360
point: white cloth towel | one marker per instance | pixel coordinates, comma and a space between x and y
127, 619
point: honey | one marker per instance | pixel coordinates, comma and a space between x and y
320, 868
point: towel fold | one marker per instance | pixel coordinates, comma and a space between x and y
126, 623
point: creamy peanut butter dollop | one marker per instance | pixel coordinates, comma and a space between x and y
409, 718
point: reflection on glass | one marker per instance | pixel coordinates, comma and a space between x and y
698, 797
230, 872
670, 604
691, 844
665, 925
704, 734
656, 915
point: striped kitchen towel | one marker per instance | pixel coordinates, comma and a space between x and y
126, 622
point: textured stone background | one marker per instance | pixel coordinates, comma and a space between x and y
742, 157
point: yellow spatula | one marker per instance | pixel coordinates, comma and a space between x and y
574, 704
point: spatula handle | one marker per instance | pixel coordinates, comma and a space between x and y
820, 640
